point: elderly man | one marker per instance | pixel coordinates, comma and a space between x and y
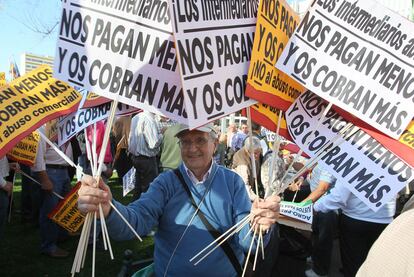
217, 191
242, 165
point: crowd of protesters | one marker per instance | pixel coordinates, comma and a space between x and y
149, 143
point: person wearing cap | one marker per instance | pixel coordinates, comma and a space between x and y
219, 193
143, 146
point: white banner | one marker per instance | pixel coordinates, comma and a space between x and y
359, 56
214, 40
73, 123
372, 172
299, 211
128, 182
121, 50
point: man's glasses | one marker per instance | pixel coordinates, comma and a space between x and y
186, 144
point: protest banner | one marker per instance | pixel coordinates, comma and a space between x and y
401, 147
66, 213
268, 116
2, 79
31, 100
276, 22
25, 150
370, 171
301, 211
128, 181
214, 42
93, 100
51, 129
122, 50
359, 56
408, 136
75, 122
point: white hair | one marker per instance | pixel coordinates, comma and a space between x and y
255, 142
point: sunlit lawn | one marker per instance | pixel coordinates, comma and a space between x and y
20, 256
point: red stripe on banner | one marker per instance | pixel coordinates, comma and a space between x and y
264, 121
63, 201
95, 102
402, 150
267, 98
293, 148
10, 144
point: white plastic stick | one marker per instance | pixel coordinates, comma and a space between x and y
60, 153
126, 221
36, 182
275, 153
220, 237
321, 119
248, 254
94, 245
251, 150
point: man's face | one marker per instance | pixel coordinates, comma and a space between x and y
257, 153
245, 129
197, 149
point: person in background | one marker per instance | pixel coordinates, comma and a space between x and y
144, 146
121, 131
231, 131
100, 133
220, 154
392, 254
278, 172
256, 129
5, 191
238, 138
324, 222
51, 170
359, 226
170, 157
242, 165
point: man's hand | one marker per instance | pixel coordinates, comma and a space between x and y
14, 166
266, 212
91, 195
8, 187
44, 180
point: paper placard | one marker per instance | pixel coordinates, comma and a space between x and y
359, 56
122, 50
369, 170
276, 22
300, 211
75, 122
214, 41
30, 101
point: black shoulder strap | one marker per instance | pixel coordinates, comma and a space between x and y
225, 246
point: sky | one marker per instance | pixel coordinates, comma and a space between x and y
17, 37
17, 18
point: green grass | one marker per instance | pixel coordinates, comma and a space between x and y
20, 255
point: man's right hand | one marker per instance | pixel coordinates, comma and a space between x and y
8, 187
91, 195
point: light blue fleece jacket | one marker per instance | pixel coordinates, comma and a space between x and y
167, 206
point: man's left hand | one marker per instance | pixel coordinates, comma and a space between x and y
266, 212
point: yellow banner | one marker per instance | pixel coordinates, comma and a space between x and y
31, 100
2, 79
276, 22
408, 136
51, 130
66, 213
25, 151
